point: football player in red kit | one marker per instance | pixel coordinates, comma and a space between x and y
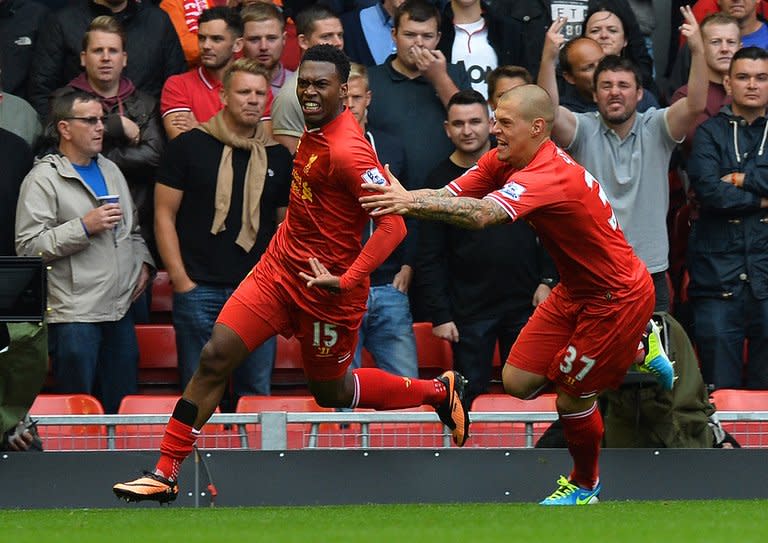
595, 323
312, 282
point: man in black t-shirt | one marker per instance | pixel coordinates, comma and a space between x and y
473, 312
210, 180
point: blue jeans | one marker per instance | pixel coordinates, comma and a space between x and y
473, 354
100, 358
194, 314
387, 332
720, 328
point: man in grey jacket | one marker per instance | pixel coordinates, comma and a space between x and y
75, 210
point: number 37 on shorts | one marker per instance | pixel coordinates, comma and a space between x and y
577, 367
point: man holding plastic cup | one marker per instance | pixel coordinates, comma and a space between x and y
75, 210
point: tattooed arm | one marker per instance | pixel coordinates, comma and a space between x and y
434, 204
460, 211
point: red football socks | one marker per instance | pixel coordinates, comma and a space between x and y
378, 389
583, 433
177, 444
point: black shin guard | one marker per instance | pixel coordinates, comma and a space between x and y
185, 412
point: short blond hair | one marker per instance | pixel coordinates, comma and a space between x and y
262, 11
358, 71
246, 65
103, 23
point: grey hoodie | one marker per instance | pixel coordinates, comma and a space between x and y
90, 279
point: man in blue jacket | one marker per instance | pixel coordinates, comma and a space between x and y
728, 246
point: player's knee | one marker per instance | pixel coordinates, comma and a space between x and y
331, 394
215, 361
512, 385
522, 384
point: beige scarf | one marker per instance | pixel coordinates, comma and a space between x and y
255, 175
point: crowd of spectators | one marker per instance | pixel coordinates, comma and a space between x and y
123, 104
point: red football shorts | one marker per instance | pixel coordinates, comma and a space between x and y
261, 307
584, 346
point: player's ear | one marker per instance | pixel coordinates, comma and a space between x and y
537, 127
344, 91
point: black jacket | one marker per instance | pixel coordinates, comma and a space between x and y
154, 51
469, 275
728, 243
16, 160
19, 24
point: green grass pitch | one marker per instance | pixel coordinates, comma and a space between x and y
621, 522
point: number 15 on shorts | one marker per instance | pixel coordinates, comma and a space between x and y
570, 363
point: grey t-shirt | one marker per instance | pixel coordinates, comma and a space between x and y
634, 176
287, 118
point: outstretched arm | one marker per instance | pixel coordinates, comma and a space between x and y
438, 205
682, 113
564, 127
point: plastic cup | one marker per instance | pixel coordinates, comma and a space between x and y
109, 199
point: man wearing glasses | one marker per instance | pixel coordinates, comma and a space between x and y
75, 210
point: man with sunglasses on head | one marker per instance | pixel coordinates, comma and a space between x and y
76, 212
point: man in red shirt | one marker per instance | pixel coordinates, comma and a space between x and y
585, 335
312, 282
193, 97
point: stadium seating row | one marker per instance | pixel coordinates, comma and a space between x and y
486, 434
158, 360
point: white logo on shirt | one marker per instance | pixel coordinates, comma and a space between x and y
23, 40
513, 191
373, 176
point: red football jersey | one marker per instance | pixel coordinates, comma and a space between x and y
570, 212
325, 218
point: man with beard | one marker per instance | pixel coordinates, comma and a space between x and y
264, 39
192, 98
629, 151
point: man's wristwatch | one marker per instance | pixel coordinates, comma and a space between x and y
549, 281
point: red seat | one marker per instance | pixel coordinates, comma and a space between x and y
435, 354
158, 362
289, 368
162, 293
748, 434
148, 436
69, 437
406, 435
508, 434
297, 434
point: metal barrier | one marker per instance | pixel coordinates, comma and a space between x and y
314, 430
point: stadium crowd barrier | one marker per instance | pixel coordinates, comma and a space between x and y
332, 430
